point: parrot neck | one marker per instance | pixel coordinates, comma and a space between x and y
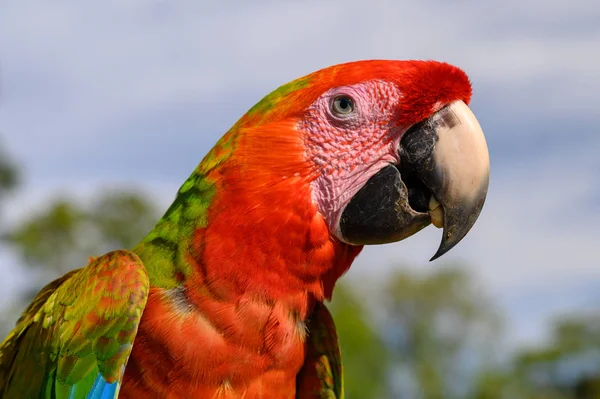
239, 227
236, 266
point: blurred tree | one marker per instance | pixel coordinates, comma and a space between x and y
441, 330
492, 385
364, 354
48, 241
122, 219
505, 383
9, 179
569, 365
63, 236
8, 175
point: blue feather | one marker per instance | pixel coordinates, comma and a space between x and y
101, 389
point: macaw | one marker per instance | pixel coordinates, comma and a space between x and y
224, 297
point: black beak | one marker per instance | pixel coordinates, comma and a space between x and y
443, 178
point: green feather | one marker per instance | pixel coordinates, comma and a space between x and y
321, 376
78, 328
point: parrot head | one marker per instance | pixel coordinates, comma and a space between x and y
387, 148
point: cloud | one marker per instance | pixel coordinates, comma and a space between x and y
534, 247
77, 75
135, 92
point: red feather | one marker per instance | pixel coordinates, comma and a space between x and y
266, 256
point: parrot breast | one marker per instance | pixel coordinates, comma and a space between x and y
235, 326
220, 350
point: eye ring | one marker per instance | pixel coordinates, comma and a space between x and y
343, 105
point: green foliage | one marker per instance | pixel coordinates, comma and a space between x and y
65, 234
49, 239
122, 218
9, 177
568, 366
364, 356
435, 322
491, 385
431, 323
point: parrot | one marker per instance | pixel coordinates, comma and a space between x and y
225, 296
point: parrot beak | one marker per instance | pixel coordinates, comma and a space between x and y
449, 153
442, 179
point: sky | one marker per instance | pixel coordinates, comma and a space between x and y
130, 92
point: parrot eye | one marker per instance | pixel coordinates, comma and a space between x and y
342, 105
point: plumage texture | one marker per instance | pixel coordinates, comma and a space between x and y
73, 341
242, 260
321, 374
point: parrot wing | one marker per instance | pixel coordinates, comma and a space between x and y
321, 375
74, 340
